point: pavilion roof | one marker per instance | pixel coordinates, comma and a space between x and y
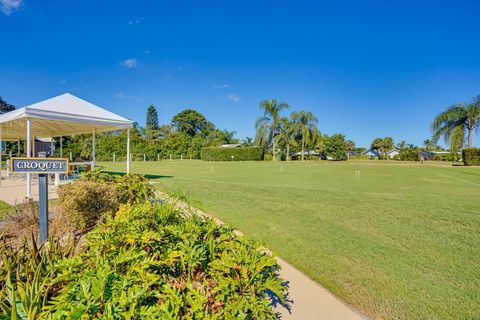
64, 115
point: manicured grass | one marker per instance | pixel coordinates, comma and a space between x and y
401, 242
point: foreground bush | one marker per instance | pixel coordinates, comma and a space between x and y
148, 263
26, 277
85, 202
133, 189
471, 156
231, 154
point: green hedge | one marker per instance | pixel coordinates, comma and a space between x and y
231, 154
471, 156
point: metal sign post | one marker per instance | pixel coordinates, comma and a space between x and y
42, 167
43, 206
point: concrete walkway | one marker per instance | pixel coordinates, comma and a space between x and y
13, 189
308, 299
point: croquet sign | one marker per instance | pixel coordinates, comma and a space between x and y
39, 165
42, 167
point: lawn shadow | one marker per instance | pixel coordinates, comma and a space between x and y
148, 176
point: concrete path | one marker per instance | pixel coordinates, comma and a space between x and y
308, 299
311, 301
13, 189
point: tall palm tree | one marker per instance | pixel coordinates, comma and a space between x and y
306, 123
268, 124
402, 144
286, 134
462, 115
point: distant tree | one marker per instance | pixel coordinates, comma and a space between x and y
387, 145
350, 145
457, 141
428, 144
152, 118
248, 141
447, 123
267, 126
286, 134
164, 130
191, 122
402, 144
5, 107
336, 147
306, 123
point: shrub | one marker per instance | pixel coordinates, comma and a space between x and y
267, 157
409, 155
98, 176
226, 154
145, 263
85, 202
471, 156
134, 188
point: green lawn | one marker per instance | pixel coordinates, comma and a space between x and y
402, 242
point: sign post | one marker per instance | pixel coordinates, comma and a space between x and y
42, 167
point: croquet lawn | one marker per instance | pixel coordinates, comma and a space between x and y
402, 241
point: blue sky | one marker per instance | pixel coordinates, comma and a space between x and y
365, 68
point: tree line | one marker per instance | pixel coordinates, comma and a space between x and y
280, 135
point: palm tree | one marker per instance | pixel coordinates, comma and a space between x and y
402, 144
286, 133
427, 144
383, 145
306, 123
248, 141
456, 116
387, 144
268, 124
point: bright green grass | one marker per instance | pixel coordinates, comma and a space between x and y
402, 242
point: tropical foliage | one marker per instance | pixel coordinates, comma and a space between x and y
456, 122
267, 125
306, 123
146, 263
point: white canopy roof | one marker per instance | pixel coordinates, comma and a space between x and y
63, 115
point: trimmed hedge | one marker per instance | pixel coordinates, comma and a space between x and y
231, 154
471, 156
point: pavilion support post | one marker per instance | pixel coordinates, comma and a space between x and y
61, 147
29, 155
128, 150
93, 150
18, 148
52, 154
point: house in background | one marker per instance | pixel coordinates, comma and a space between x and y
231, 145
375, 153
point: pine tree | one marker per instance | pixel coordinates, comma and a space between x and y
152, 118
5, 107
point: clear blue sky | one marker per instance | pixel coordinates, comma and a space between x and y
365, 68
